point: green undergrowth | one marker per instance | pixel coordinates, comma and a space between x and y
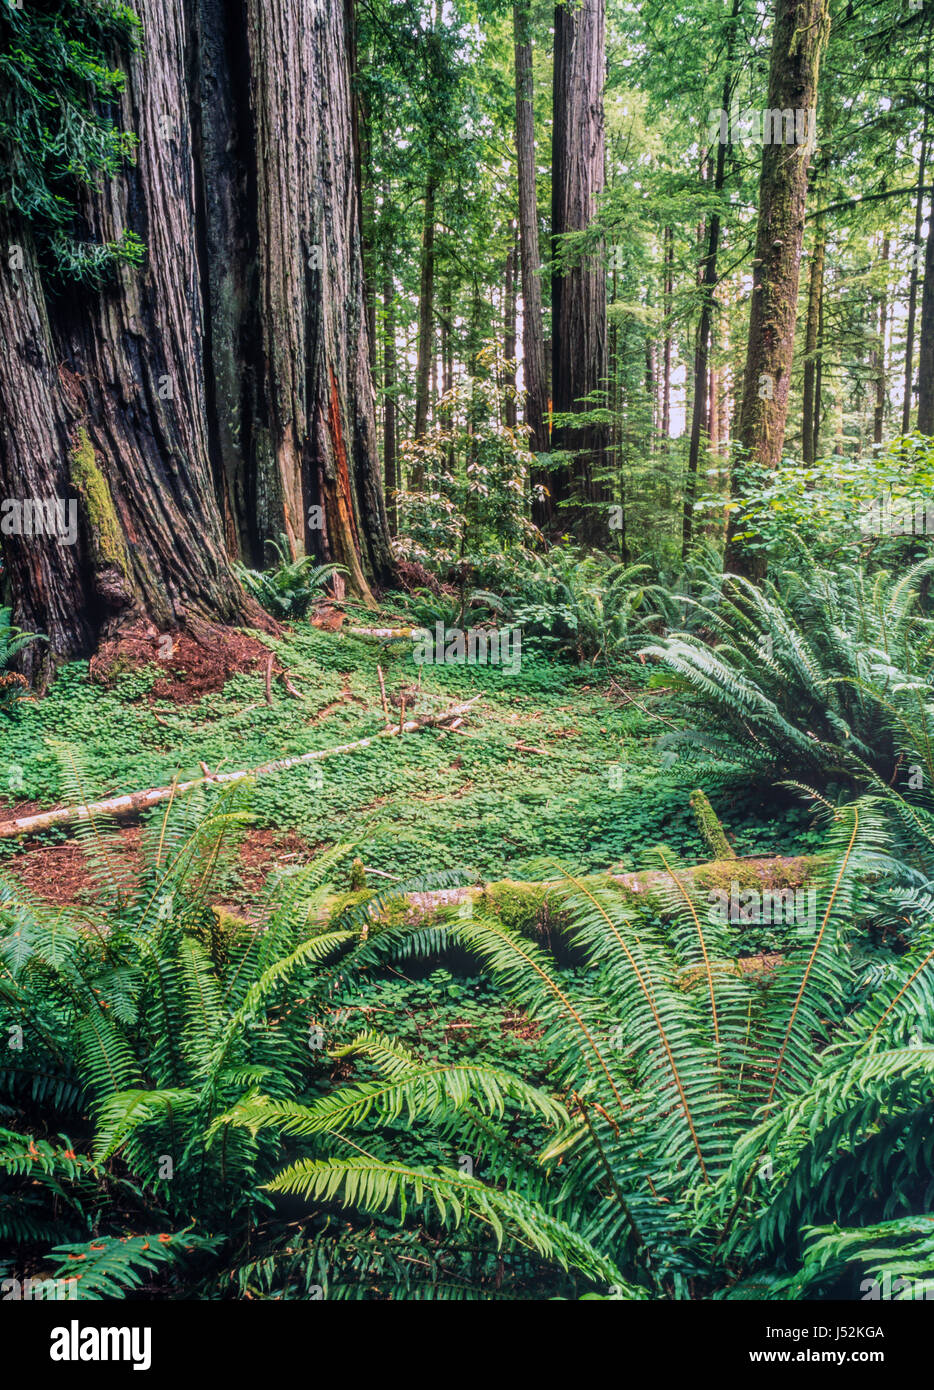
592, 783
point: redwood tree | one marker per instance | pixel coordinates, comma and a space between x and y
579, 285
798, 39
221, 394
533, 338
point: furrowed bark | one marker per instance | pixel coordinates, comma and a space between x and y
579, 293
798, 40
533, 337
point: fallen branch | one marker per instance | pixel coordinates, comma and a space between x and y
134, 802
382, 693
774, 874
385, 634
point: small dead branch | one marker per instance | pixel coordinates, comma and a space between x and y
132, 803
382, 693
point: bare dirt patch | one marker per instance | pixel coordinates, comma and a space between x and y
194, 662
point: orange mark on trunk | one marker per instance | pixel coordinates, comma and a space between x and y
344, 498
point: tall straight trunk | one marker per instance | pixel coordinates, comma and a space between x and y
426, 297
913, 282
390, 464
811, 338
912, 295
819, 375
319, 428
533, 339
713, 414
446, 320
668, 238
651, 386
579, 292
878, 420
798, 40
509, 336
926, 339
707, 273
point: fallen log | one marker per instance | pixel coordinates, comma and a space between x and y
774, 874
131, 803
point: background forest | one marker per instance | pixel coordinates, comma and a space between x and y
466, 641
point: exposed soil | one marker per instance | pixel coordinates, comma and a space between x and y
60, 874
195, 662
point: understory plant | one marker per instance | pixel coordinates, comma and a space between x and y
175, 1118
714, 1108
12, 640
816, 673
289, 588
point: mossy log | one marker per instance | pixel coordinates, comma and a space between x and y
517, 903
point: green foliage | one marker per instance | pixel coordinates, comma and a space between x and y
707, 1113
59, 129
817, 673
472, 473
826, 506
291, 587
574, 603
12, 640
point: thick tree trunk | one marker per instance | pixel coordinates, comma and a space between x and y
207, 402
798, 40
118, 389
579, 293
49, 580
317, 441
533, 339
913, 281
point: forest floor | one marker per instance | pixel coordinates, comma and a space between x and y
555, 760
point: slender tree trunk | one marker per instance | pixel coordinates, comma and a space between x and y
509, 336
426, 296
811, 336
798, 39
533, 339
579, 292
926, 340
713, 396
708, 277
819, 375
878, 421
913, 281
390, 464
668, 238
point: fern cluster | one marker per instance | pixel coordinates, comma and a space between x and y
175, 1119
